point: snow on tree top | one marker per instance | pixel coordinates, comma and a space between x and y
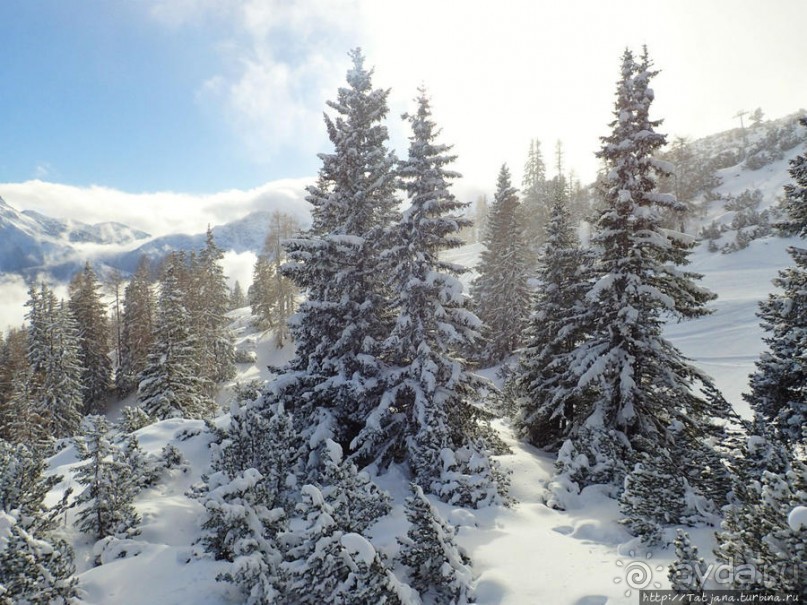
359, 548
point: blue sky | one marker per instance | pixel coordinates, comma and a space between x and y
201, 96
98, 92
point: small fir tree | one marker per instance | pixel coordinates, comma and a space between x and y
688, 571
438, 570
110, 486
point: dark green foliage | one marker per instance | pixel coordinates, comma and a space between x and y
356, 501
778, 385
795, 202
635, 388
338, 329
137, 333
317, 563
207, 299
653, 497
55, 389
545, 390
92, 325
110, 483
687, 571
438, 570
34, 567
756, 532
172, 384
33, 570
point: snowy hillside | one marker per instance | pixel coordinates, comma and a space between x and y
524, 554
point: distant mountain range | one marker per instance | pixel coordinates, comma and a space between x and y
33, 244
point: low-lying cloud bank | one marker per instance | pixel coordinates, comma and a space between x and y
158, 213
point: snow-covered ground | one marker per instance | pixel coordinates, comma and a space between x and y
525, 554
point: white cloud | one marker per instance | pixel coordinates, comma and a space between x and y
14, 294
499, 73
238, 268
157, 213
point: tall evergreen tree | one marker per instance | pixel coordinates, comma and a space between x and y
13, 373
171, 384
501, 290
536, 199
137, 333
546, 392
56, 371
237, 297
779, 385
338, 329
214, 339
427, 403
92, 323
638, 384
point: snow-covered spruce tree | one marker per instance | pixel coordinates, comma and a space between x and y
545, 390
370, 581
137, 332
255, 464
688, 570
23, 487
427, 403
237, 297
242, 529
637, 384
33, 569
262, 295
316, 563
25, 425
171, 384
438, 570
756, 533
92, 323
13, 366
327, 565
778, 395
110, 486
356, 501
53, 355
337, 330
795, 202
501, 292
653, 496
263, 439
215, 346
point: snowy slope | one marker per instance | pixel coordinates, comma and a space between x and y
523, 555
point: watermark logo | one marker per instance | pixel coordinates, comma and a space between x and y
638, 575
